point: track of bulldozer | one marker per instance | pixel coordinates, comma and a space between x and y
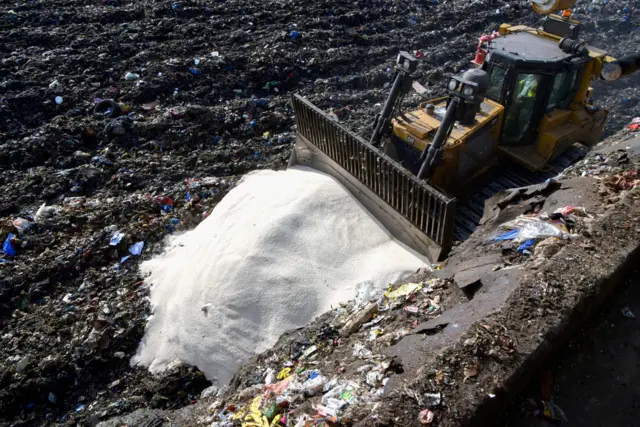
471, 208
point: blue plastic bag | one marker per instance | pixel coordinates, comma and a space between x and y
8, 248
527, 245
136, 248
509, 235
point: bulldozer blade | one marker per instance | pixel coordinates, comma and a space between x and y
413, 212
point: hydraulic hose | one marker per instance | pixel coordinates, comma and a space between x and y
428, 157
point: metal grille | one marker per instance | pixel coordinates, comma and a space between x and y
426, 208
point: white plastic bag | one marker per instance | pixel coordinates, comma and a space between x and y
538, 230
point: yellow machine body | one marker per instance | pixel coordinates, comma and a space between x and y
470, 150
515, 120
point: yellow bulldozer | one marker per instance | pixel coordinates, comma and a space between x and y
525, 100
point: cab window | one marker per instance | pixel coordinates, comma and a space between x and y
521, 108
562, 90
496, 81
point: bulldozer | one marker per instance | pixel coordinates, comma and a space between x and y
525, 101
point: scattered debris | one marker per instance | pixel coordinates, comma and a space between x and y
553, 412
626, 311
426, 416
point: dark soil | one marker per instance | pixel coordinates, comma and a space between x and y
71, 313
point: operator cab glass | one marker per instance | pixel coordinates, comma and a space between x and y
519, 120
563, 90
497, 77
530, 76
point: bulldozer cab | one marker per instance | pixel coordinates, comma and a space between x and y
531, 77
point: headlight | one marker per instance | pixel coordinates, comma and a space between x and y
453, 84
468, 90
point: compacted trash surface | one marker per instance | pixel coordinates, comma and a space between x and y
124, 121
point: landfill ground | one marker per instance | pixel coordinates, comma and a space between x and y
480, 329
453, 345
204, 90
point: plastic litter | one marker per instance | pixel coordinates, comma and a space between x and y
314, 385
43, 213
107, 108
362, 352
99, 160
131, 76
21, 224
553, 412
373, 378
59, 100
136, 248
509, 235
527, 246
8, 248
116, 238
432, 399
403, 291
284, 374
626, 311
163, 200
309, 351
426, 416
373, 322
270, 376
375, 333
538, 230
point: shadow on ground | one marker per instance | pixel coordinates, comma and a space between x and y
596, 375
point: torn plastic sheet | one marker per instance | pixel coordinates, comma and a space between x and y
116, 238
